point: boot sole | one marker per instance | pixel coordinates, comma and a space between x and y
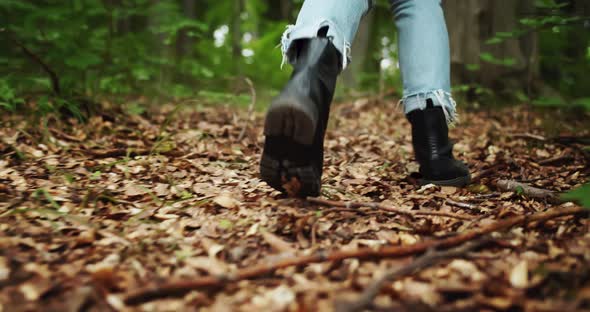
456, 182
279, 173
285, 166
289, 117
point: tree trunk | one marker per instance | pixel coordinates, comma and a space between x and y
471, 24
286, 9
582, 7
236, 34
360, 52
279, 10
183, 41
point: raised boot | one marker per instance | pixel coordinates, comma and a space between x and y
434, 150
296, 121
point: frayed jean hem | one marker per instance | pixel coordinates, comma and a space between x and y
294, 32
439, 97
341, 18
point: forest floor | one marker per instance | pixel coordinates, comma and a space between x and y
111, 214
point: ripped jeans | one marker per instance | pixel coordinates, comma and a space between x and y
423, 44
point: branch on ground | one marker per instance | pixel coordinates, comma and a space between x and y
563, 139
334, 203
250, 115
527, 190
179, 288
428, 259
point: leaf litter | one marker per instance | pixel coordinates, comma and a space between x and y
90, 213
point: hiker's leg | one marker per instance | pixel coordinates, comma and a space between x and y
317, 47
425, 64
337, 20
424, 54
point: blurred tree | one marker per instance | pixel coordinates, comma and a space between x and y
236, 34
361, 51
189, 48
509, 64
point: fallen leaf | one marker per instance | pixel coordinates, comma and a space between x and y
276, 242
519, 275
132, 190
226, 201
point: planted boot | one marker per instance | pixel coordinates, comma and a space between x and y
433, 150
296, 121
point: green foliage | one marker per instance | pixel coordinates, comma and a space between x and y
160, 48
564, 49
583, 102
8, 98
134, 47
88, 53
580, 195
488, 57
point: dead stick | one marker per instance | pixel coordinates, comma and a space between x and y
527, 190
131, 152
179, 288
528, 135
430, 258
334, 203
556, 160
250, 109
462, 205
486, 172
564, 139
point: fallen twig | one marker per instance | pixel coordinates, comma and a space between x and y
562, 139
528, 135
527, 190
383, 207
486, 172
250, 109
567, 139
556, 160
486, 196
65, 136
430, 258
462, 205
179, 288
131, 152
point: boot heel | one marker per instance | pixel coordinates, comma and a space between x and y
282, 160
291, 118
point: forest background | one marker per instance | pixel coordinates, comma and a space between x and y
503, 52
73, 56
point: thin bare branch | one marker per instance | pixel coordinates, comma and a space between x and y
428, 259
179, 288
250, 109
383, 207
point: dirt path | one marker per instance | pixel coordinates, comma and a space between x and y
90, 213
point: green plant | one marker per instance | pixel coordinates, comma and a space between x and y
580, 195
8, 98
559, 29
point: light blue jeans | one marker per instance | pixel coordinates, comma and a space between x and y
424, 55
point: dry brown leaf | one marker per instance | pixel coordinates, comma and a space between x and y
132, 190
276, 242
519, 275
226, 201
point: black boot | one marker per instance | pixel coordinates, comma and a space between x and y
433, 150
296, 121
